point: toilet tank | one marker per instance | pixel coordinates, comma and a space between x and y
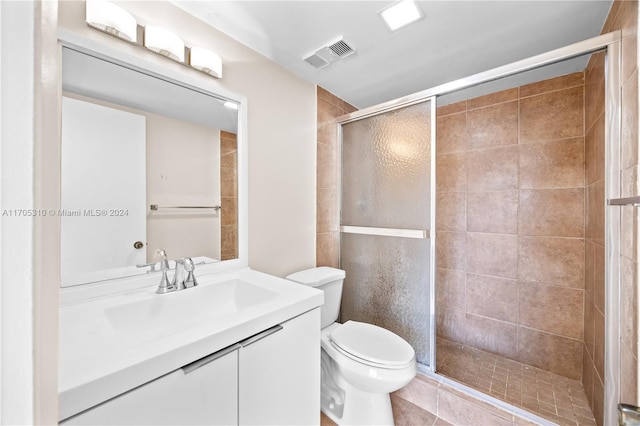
330, 281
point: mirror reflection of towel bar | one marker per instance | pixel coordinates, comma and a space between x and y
157, 207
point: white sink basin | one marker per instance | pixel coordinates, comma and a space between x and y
163, 314
113, 342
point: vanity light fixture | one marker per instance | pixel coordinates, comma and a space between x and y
111, 19
164, 42
231, 105
206, 61
401, 14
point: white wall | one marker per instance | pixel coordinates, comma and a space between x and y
281, 132
30, 271
16, 155
183, 169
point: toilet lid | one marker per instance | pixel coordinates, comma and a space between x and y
372, 344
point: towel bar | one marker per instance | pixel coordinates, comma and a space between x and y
157, 207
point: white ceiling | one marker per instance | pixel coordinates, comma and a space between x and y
454, 40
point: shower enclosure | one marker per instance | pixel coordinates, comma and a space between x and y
390, 156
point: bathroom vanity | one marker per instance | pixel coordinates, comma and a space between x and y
241, 348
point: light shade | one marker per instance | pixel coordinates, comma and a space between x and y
112, 19
231, 105
401, 14
164, 42
206, 61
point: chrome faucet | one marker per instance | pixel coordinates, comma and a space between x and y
179, 281
178, 277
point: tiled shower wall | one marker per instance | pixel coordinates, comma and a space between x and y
511, 223
327, 220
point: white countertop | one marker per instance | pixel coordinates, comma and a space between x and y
104, 353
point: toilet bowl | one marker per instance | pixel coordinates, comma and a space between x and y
361, 363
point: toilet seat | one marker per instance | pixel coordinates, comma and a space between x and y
372, 345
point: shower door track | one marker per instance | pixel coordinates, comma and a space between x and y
584, 47
610, 43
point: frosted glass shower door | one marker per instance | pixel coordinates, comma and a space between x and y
385, 221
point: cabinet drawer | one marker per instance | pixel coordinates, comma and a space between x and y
197, 394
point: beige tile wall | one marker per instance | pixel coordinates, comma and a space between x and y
228, 195
622, 16
327, 220
511, 223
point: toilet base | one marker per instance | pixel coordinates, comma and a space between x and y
360, 408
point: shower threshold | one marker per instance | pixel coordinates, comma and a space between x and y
547, 395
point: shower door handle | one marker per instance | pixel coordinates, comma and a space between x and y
386, 232
628, 201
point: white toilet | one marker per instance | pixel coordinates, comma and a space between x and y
361, 363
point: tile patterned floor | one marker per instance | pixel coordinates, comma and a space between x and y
548, 395
404, 414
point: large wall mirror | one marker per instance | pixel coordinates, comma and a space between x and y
147, 163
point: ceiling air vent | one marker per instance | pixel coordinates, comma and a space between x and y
341, 48
323, 57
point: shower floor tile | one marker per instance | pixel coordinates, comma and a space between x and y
545, 394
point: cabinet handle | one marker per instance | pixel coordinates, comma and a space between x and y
190, 368
256, 337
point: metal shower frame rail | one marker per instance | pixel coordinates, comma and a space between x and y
610, 43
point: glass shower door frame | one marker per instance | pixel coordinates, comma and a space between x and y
406, 233
610, 43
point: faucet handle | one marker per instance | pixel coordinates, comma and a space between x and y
165, 285
189, 267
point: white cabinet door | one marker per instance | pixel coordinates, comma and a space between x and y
199, 394
279, 377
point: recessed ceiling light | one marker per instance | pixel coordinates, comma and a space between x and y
401, 14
